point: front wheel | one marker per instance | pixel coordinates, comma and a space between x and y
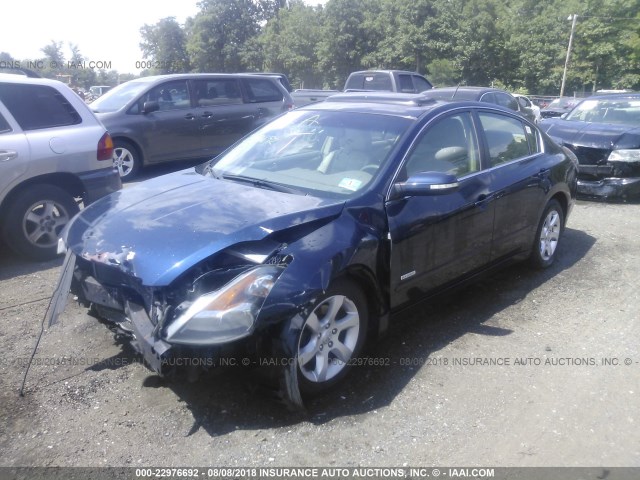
548, 236
36, 217
331, 337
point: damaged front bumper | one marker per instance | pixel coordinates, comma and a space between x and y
614, 180
610, 188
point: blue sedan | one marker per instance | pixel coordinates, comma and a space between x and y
307, 237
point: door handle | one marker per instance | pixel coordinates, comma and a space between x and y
207, 115
544, 173
482, 199
189, 116
6, 155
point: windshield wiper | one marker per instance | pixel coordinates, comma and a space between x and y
256, 182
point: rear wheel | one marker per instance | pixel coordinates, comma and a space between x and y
35, 219
548, 236
127, 159
331, 336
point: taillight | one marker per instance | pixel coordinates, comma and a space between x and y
105, 147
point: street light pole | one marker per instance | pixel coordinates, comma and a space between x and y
566, 62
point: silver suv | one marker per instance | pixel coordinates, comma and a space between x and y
186, 116
54, 154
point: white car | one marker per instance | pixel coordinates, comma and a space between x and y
54, 155
525, 102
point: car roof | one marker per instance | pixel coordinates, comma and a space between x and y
178, 76
384, 71
464, 93
610, 96
18, 78
413, 105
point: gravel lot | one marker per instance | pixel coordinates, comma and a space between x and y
450, 394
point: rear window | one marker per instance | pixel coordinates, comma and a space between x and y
262, 90
38, 106
369, 81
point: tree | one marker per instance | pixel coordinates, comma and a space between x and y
165, 44
80, 77
283, 46
220, 31
347, 37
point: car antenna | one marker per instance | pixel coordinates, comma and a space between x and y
455, 91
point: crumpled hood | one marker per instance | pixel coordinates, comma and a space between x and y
162, 227
593, 135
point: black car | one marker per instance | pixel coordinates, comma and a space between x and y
604, 133
306, 238
558, 107
482, 94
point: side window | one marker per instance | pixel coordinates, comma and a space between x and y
507, 101
38, 106
217, 91
406, 84
524, 102
421, 84
260, 90
488, 98
506, 137
4, 125
449, 145
170, 96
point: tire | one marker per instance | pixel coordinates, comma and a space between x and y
330, 337
548, 235
127, 159
35, 218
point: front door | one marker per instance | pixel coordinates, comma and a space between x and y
171, 132
435, 239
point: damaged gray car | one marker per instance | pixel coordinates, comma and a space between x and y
298, 244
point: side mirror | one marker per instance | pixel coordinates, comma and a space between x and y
426, 184
523, 102
149, 107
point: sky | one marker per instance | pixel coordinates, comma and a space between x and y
107, 33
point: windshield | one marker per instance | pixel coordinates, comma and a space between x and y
118, 97
564, 102
314, 152
622, 111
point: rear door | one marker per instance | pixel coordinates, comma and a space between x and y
14, 152
222, 114
267, 96
438, 238
519, 178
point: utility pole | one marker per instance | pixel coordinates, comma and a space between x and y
566, 63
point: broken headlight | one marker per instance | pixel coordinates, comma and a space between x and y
625, 155
226, 314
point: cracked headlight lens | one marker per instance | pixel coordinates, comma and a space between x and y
226, 314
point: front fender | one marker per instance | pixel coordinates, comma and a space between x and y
336, 249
